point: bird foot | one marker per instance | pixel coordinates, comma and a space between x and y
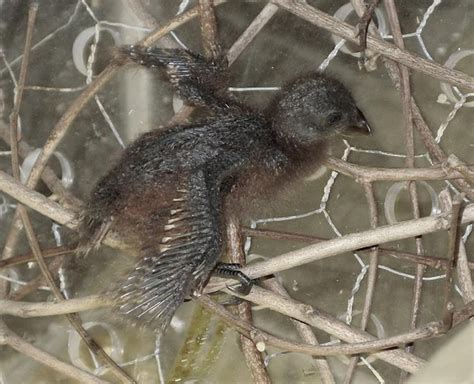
232, 270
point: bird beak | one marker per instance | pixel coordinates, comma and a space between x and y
362, 126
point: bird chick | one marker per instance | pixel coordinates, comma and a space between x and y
171, 190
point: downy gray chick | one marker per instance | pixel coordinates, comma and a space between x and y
172, 189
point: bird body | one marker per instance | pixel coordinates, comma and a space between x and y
172, 189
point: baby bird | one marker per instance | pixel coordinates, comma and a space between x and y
172, 189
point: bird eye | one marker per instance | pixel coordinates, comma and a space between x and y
334, 118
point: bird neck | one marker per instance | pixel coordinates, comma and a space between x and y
299, 151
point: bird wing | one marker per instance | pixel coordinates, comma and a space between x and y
196, 79
179, 260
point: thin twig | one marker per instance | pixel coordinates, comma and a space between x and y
208, 23
363, 27
348, 243
74, 319
462, 265
455, 163
61, 128
372, 346
37, 201
368, 174
315, 16
305, 332
15, 115
448, 306
34, 245
423, 130
140, 12
428, 260
149, 21
49, 177
407, 111
49, 208
463, 314
328, 324
253, 357
26, 310
371, 279
51, 252
35, 283
56, 135
251, 32
464, 274
7, 337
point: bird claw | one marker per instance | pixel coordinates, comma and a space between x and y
243, 289
231, 300
233, 271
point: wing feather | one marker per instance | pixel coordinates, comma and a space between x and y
197, 80
165, 276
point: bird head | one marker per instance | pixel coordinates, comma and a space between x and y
314, 108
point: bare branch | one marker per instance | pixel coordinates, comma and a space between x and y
210, 38
253, 357
362, 173
329, 324
305, 332
372, 276
408, 105
428, 260
349, 243
7, 337
51, 252
25, 310
448, 306
425, 332
251, 32
315, 16
73, 318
